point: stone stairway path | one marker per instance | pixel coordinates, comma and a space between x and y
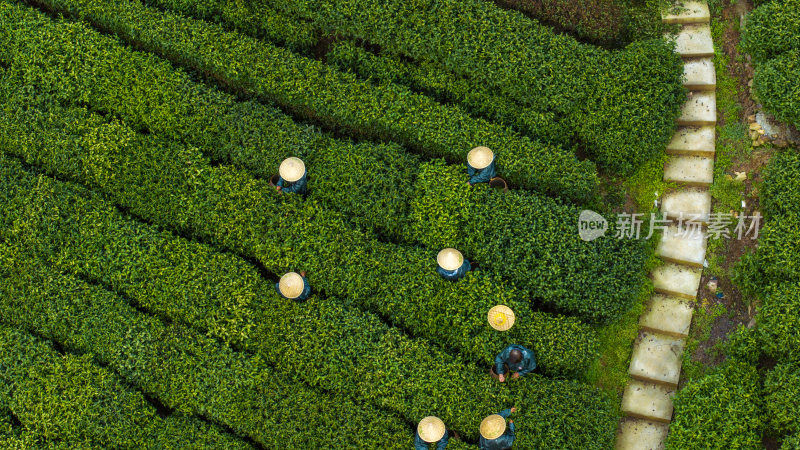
656, 360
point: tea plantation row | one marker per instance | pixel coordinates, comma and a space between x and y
528, 239
344, 351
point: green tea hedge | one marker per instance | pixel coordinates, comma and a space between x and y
232, 388
344, 351
791, 443
722, 410
772, 37
373, 185
319, 92
780, 189
596, 20
779, 321
621, 106
174, 186
781, 391
72, 402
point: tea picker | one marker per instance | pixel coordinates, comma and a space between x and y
431, 430
452, 264
517, 358
494, 435
293, 286
480, 165
292, 176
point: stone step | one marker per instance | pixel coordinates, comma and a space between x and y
699, 74
638, 434
667, 315
677, 280
692, 12
656, 358
693, 41
690, 170
683, 245
687, 204
700, 109
693, 141
647, 401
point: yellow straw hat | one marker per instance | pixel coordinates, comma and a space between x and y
480, 157
501, 317
292, 169
450, 259
431, 429
291, 285
492, 427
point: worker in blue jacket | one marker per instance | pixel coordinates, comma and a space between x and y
480, 165
293, 286
519, 360
452, 264
292, 176
431, 430
494, 434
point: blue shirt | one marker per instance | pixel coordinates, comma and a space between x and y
525, 365
481, 175
454, 275
303, 295
419, 444
298, 187
505, 441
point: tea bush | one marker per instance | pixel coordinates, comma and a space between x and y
781, 391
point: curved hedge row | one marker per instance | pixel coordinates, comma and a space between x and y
723, 410
344, 351
72, 402
620, 105
781, 391
379, 187
772, 37
174, 186
316, 91
235, 389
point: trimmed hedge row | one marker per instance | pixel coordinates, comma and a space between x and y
316, 91
187, 372
780, 189
620, 105
779, 321
598, 20
781, 391
722, 410
174, 186
68, 400
373, 185
342, 350
772, 37
791, 443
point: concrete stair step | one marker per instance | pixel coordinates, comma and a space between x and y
693, 141
667, 315
700, 109
688, 204
639, 434
656, 358
699, 74
693, 41
683, 245
692, 12
690, 170
648, 401
677, 280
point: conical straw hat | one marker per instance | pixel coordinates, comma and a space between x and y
501, 318
450, 259
431, 429
292, 169
480, 157
291, 285
492, 427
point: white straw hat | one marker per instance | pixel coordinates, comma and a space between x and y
450, 259
480, 157
492, 427
291, 285
292, 169
431, 429
501, 317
